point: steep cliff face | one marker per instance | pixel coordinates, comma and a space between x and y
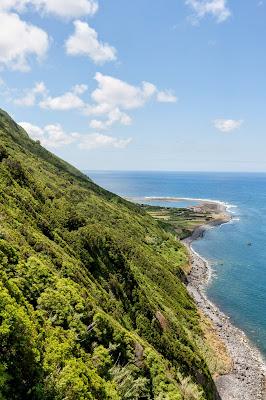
92, 304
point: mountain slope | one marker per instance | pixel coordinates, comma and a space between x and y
92, 304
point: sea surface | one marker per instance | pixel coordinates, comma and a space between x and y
236, 251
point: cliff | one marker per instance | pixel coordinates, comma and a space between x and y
92, 304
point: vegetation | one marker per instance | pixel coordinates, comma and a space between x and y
92, 304
180, 221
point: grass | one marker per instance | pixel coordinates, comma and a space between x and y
179, 221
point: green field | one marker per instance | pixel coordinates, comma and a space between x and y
181, 222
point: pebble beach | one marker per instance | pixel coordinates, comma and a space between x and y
247, 378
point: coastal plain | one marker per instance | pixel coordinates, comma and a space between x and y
245, 377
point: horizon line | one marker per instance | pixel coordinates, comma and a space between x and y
173, 171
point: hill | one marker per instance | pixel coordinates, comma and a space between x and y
92, 299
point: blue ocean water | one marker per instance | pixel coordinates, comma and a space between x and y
236, 251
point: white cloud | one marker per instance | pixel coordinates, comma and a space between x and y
227, 125
113, 92
61, 8
80, 89
114, 116
216, 8
19, 40
166, 96
14, 5
54, 136
30, 95
68, 8
39, 88
113, 97
97, 140
85, 42
34, 131
68, 101
111, 100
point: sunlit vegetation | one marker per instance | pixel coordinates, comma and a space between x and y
92, 299
179, 221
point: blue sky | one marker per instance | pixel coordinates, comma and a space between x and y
139, 85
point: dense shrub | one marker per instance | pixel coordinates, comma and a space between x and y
17, 171
91, 301
3, 153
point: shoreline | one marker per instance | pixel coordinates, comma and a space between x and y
247, 379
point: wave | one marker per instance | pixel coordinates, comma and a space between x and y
235, 219
228, 206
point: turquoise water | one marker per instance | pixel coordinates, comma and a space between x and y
238, 285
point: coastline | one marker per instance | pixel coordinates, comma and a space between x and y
247, 379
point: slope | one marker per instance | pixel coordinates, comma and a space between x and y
92, 300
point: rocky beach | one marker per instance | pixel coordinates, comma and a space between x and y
247, 378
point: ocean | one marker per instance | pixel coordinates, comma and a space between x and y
236, 251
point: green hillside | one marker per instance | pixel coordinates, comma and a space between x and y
92, 299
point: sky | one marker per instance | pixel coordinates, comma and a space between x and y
177, 85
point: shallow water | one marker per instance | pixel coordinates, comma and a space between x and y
236, 251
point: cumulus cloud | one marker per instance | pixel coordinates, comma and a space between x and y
80, 89
34, 131
54, 136
113, 97
227, 125
39, 94
85, 42
112, 92
110, 101
30, 95
68, 101
14, 5
114, 116
68, 8
216, 8
61, 8
166, 96
97, 140
19, 41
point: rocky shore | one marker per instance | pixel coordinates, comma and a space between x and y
247, 379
